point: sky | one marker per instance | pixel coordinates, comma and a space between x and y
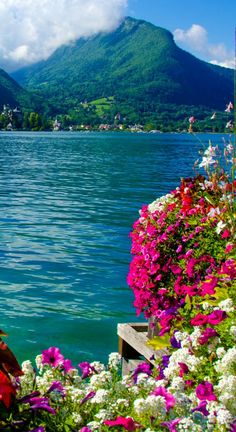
30, 30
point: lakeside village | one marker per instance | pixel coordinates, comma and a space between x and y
14, 119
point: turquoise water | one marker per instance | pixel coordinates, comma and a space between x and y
68, 202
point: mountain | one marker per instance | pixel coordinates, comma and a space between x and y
138, 67
11, 93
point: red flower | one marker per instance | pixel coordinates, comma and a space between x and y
6, 390
199, 319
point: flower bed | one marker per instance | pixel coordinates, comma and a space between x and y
183, 275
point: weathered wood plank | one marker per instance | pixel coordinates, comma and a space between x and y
135, 336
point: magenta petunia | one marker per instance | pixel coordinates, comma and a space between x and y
86, 368
169, 398
90, 395
142, 368
204, 391
216, 317
52, 356
126, 422
171, 425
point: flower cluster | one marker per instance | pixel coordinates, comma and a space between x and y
189, 390
183, 247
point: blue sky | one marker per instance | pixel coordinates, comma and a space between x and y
30, 32
216, 17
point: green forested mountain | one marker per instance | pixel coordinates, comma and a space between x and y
11, 93
138, 67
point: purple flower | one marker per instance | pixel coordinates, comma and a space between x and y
174, 342
27, 398
171, 424
52, 356
38, 429
57, 387
142, 368
85, 429
165, 360
202, 408
86, 368
206, 335
40, 403
87, 397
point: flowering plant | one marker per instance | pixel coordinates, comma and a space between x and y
184, 251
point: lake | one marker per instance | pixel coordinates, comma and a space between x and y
68, 202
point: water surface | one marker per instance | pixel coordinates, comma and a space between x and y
68, 202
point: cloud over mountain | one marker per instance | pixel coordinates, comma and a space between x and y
196, 39
32, 29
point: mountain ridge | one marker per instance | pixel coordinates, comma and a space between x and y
138, 64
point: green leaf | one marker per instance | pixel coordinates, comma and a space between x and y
159, 342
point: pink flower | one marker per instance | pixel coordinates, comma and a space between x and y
226, 234
126, 422
216, 317
169, 398
67, 365
229, 248
208, 287
199, 319
204, 391
52, 356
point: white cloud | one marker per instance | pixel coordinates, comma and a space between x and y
30, 30
196, 40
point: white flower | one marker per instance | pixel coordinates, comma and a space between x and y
93, 425
102, 415
100, 396
27, 367
114, 360
98, 366
213, 212
226, 305
187, 424
100, 380
77, 418
210, 151
224, 417
220, 352
206, 161
160, 203
156, 406
233, 331
177, 383
140, 406
38, 361
220, 226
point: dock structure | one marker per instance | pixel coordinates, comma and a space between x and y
133, 347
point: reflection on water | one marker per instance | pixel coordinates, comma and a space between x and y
68, 202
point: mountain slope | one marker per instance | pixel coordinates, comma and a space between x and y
12, 93
139, 64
